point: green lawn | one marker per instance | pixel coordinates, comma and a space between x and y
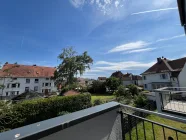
101, 97
158, 129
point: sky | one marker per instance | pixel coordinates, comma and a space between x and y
125, 35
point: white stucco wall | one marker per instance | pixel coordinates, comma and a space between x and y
125, 83
154, 78
140, 82
23, 84
182, 77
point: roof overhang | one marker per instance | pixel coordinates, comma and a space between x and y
182, 12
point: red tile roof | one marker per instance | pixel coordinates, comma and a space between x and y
16, 70
167, 65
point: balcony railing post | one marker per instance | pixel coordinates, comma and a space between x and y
161, 98
122, 125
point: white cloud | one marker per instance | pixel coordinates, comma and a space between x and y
77, 3
140, 46
116, 3
170, 38
129, 46
142, 50
128, 65
162, 3
107, 7
156, 10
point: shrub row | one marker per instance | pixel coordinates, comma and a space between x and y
28, 112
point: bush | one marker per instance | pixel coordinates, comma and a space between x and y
140, 100
98, 102
133, 89
69, 87
63, 113
120, 91
31, 111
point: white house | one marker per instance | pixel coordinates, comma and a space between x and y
20, 78
165, 73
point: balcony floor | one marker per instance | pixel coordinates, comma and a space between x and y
178, 106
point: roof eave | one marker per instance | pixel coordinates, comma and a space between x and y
181, 11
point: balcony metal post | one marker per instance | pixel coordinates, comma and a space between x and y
122, 125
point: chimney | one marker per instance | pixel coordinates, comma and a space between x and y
6, 63
159, 60
34, 65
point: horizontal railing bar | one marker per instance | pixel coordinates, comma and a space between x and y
163, 125
155, 113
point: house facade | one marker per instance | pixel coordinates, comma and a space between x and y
165, 73
17, 79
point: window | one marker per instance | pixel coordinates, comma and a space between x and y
47, 78
50, 84
13, 85
173, 79
14, 78
36, 80
26, 89
8, 85
36, 88
163, 76
6, 93
145, 85
18, 85
13, 93
17, 92
27, 81
144, 77
42, 90
43, 84
49, 90
46, 84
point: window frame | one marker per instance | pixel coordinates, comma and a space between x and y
163, 76
13, 86
28, 80
36, 87
27, 88
36, 80
144, 77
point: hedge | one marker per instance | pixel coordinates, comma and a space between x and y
31, 111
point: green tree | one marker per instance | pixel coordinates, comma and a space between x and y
112, 83
140, 100
71, 65
121, 91
133, 89
97, 87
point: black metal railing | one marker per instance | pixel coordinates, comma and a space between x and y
173, 101
139, 128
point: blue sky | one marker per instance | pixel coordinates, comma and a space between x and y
126, 35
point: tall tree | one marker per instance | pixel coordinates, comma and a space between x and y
71, 65
112, 83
